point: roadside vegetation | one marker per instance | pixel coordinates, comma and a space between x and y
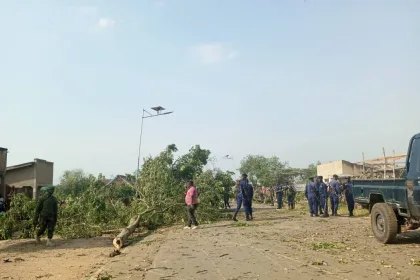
92, 208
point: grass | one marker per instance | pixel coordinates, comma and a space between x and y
241, 224
327, 245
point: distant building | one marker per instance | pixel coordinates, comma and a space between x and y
3, 164
29, 177
118, 180
340, 168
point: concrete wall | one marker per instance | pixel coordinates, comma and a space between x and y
21, 177
36, 175
338, 167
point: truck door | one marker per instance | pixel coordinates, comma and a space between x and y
413, 177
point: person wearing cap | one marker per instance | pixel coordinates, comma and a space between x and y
348, 193
323, 195
335, 195
311, 194
46, 212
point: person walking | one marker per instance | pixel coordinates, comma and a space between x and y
46, 213
191, 199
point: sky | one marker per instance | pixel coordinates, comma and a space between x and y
303, 80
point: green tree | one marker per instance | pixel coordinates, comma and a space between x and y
268, 171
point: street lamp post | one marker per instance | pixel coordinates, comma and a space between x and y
158, 110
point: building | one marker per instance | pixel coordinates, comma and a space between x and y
29, 177
118, 180
3, 164
339, 167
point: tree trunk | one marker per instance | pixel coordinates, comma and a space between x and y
121, 238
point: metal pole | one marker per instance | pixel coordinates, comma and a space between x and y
141, 134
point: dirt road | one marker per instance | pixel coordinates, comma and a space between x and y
276, 245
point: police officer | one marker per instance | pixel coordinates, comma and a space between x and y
311, 195
251, 197
243, 197
335, 195
279, 196
348, 193
46, 214
323, 196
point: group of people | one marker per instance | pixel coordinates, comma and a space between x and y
244, 195
318, 192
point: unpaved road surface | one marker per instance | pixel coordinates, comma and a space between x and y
276, 245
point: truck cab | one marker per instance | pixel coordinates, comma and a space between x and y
394, 204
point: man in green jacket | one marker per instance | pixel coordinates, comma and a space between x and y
46, 215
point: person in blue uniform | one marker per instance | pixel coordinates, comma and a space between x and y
323, 195
251, 197
335, 195
311, 194
246, 196
279, 196
348, 193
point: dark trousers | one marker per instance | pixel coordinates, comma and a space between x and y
279, 201
191, 215
350, 203
226, 199
47, 223
291, 201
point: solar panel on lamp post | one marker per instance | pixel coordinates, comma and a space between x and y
158, 110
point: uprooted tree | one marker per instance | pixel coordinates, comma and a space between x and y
93, 208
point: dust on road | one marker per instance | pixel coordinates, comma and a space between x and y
276, 245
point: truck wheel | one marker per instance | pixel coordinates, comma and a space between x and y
384, 223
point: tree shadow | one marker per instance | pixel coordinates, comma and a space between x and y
29, 245
136, 238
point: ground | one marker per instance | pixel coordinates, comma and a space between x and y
276, 245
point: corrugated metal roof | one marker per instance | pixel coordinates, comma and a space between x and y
3, 149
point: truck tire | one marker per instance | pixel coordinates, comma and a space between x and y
384, 223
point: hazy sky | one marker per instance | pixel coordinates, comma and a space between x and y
303, 80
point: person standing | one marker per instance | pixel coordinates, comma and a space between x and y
46, 213
238, 196
272, 190
251, 195
310, 193
246, 196
291, 194
191, 199
335, 195
226, 196
348, 193
279, 196
323, 195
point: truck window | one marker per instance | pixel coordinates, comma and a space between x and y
414, 168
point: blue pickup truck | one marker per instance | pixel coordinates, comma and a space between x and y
394, 204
